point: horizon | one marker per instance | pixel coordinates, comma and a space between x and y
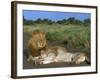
54, 16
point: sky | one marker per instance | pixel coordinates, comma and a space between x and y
54, 16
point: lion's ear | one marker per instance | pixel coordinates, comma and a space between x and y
34, 32
43, 32
38, 32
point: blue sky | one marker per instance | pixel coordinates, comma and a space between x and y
54, 16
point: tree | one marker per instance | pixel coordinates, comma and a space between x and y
62, 21
87, 22
71, 20
78, 22
38, 20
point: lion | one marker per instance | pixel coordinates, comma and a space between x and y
36, 43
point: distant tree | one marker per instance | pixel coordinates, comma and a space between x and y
50, 22
28, 22
61, 21
45, 20
68, 21
78, 22
71, 20
24, 18
87, 22
38, 20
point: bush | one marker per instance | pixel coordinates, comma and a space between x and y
74, 36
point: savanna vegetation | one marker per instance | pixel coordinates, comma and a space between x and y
70, 33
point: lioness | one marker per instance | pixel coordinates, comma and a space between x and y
51, 54
80, 57
60, 54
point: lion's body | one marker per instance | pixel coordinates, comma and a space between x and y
37, 42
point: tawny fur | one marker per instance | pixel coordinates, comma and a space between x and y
60, 54
37, 42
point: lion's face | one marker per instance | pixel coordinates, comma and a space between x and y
39, 39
